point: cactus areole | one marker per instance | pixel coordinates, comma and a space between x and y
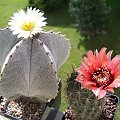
29, 66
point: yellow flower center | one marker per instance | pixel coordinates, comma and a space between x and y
28, 26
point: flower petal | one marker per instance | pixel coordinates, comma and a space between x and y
109, 89
115, 83
103, 57
27, 24
89, 85
80, 78
100, 93
109, 55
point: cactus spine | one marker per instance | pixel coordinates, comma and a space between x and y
83, 101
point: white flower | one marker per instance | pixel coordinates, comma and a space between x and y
27, 24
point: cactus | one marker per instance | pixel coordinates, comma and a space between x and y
30, 65
54, 41
7, 41
86, 106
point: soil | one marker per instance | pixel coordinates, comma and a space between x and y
23, 108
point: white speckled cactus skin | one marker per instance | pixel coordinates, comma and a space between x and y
29, 67
7, 41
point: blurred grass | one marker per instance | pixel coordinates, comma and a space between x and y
60, 20
8, 7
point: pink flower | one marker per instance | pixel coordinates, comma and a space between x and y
99, 73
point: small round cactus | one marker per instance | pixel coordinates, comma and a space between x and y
83, 102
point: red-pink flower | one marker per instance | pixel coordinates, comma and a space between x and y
99, 73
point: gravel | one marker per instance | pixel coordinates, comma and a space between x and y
23, 108
109, 108
69, 114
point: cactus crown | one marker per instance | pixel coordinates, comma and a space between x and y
29, 67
